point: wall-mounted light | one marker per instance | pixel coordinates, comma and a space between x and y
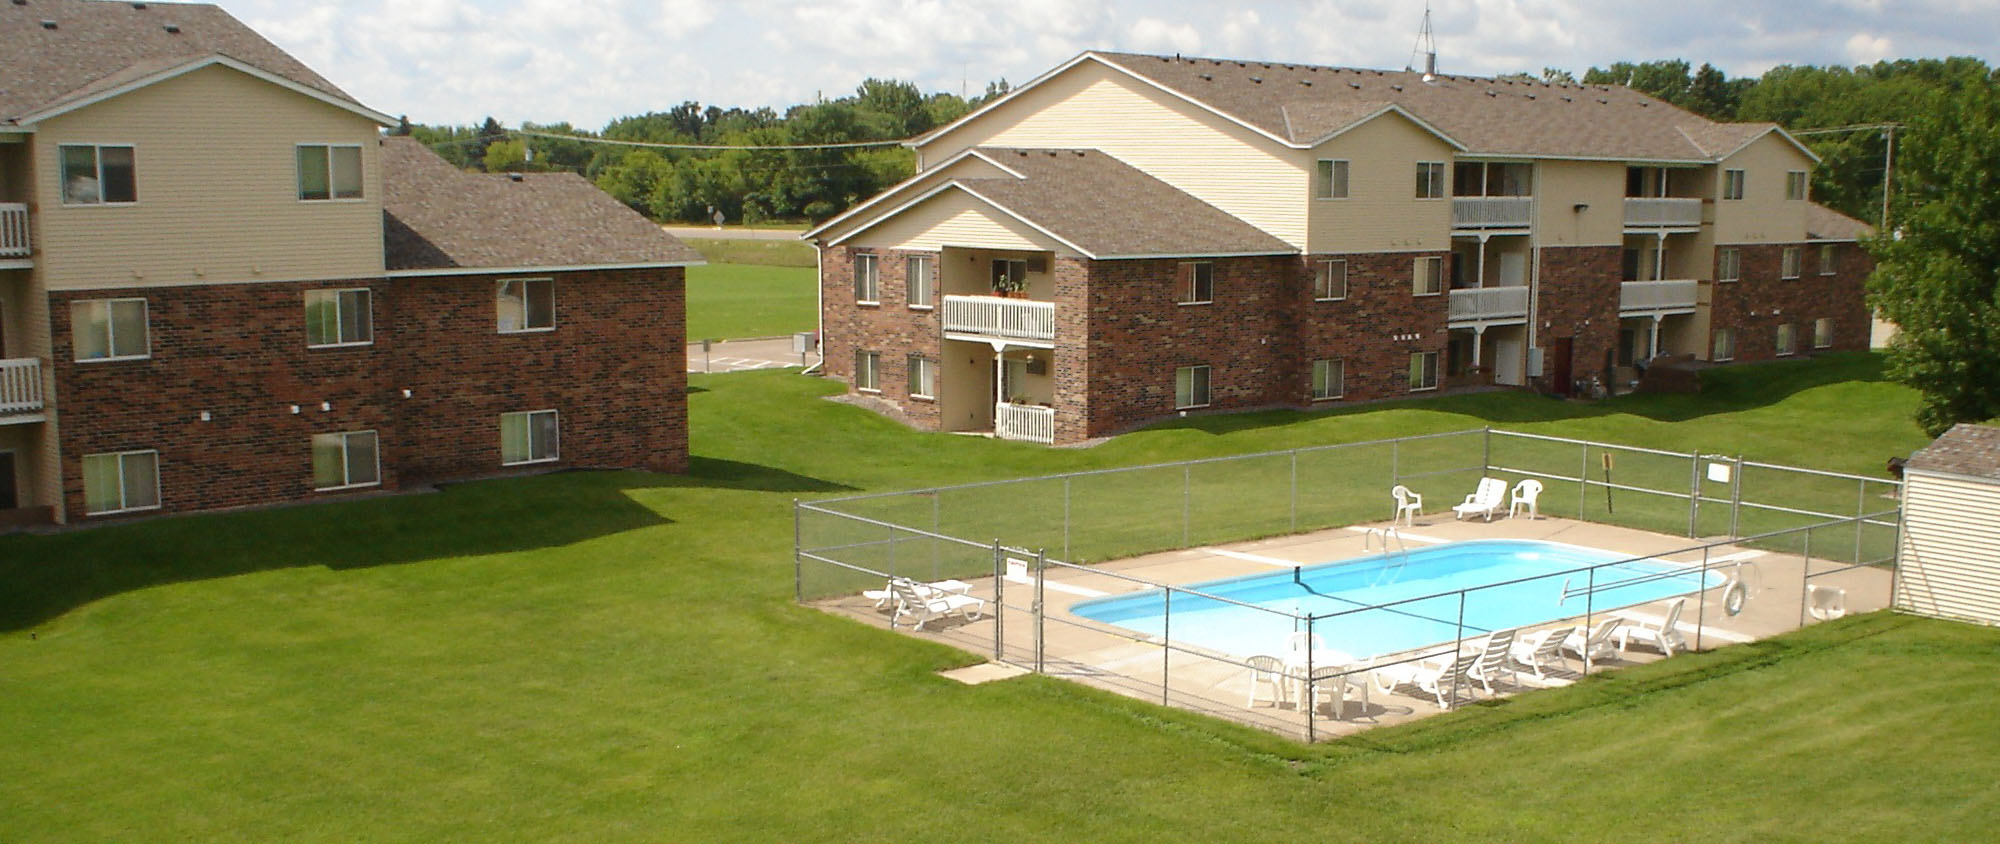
325, 406
1580, 207
205, 417
406, 393
295, 410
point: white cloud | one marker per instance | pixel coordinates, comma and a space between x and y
1866, 49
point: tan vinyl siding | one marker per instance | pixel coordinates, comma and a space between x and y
954, 218
1947, 562
1763, 215
1381, 212
1560, 186
217, 188
970, 167
1091, 106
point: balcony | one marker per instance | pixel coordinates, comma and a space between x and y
1489, 304
1666, 212
1636, 298
993, 317
1492, 212
14, 241
1027, 422
20, 385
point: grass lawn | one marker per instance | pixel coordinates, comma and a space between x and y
772, 253
614, 655
737, 301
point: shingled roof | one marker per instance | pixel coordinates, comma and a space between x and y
438, 217
59, 51
1966, 449
1823, 223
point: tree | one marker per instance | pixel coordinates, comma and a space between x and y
489, 132
1556, 75
1938, 278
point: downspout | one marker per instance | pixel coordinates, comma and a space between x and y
819, 306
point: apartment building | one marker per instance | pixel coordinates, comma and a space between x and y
1133, 236
221, 286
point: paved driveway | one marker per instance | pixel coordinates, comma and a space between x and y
742, 355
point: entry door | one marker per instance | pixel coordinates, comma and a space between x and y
1513, 269
9, 498
1507, 361
1559, 352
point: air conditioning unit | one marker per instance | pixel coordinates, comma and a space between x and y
1535, 362
1038, 264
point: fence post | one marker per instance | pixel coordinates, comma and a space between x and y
1066, 555
1736, 500
1395, 461
1486, 453
1694, 492
1805, 579
1166, 641
1311, 690
1187, 502
1860, 518
937, 527
798, 560
1701, 606
1589, 608
1583, 489
1041, 575
1458, 651
999, 602
1295, 494
892, 552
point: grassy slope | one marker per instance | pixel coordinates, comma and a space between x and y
613, 655
736, 301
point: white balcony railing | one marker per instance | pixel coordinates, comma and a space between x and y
992, 316
14, 230
1487, 212
1480, 304
1024, 422
1650, 296
20, 385
1662, 212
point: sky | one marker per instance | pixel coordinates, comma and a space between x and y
589, 61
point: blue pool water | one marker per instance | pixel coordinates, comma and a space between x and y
1371, 581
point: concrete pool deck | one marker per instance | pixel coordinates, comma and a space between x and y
1129, 663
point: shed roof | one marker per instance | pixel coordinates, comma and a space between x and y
1966, 449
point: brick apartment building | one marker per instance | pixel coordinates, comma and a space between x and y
221, 286
1132, 236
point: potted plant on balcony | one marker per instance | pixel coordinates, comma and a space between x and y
1006, 285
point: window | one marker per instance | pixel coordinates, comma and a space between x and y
1728, 264
1191, 387
98, 175
1725, 344
121, 482
867, 280
1329, 379
923, 377
1828, 259
1430, 180
1788, 339
1330, 179
1822, 333
109, 329
920, 280
1197, 283
1795, 184
530, 437
868, 372
1732, 184
1789, 266
527, 304
1330, 281
349, 460
339, 318
329, 171
1428, 279
1423, 371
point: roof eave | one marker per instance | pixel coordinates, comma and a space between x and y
892, 190
1391, 107
559, 268
200, 63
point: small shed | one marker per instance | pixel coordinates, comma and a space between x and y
1949, 560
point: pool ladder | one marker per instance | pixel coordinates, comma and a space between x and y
1386, 534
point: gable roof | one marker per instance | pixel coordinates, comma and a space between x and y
1823, 223
439, 220
98, 48
1966, 449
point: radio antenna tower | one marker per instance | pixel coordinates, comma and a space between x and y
1427, 46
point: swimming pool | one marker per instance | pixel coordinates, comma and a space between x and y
1385, 578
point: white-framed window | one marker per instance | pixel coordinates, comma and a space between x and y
1330, 179
533, 436
1728, 264
339, 318
1197, 283
1191, 387
99, 174
1822, 333
1788, 266
1423, 371
868, 371
1428, 276
1732, 184
1330, 280
1009, 274
920, 280
110, 329
1788, 339
1795, 184
526, 304
1829, 258
329, 171
867, 278
1430, 180
1724, 345
1329, 379
923, 377
346, 460
121, 482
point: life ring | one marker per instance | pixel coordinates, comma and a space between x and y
1734, 596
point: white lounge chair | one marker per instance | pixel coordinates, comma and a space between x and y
923, 604
1597, 646
1828, 602
1486, 500
1437, 676
1542, 650
1270, 670
1409, 505
886, 595
1495, 659
1335, 680
1527, 493
1666, 635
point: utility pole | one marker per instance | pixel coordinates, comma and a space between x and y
1888, 131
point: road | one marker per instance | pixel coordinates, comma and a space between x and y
732, 233
742, 355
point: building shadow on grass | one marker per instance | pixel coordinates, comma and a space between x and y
47, 575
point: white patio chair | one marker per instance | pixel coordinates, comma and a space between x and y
1298, 641
1486, 500
915, 600
1527, 493
1335, 680
1409, 505
1828, 602
1542, 650
1597, 646
1436, 676
1495, 659
1666, 635
1269, 670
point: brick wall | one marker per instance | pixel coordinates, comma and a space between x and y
890, 327
1761, 301
1578, 299
1373, 331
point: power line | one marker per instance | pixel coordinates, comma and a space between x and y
652, 145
